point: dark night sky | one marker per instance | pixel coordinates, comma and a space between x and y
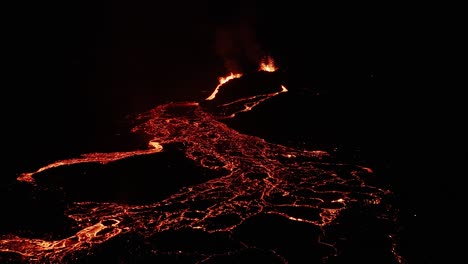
75, 69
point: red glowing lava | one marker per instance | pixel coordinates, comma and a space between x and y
267, 64
258, 177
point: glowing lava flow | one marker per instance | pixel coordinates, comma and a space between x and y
102, 158
266, 64
223, 80
257, 179
244, 104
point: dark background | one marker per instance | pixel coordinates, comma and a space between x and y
370, 77
75, 69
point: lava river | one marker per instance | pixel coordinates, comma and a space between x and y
249, 199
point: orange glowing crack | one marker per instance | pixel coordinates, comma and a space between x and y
252, 101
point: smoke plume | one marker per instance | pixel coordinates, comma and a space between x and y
237, 45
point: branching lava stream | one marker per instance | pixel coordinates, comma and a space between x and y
256, 180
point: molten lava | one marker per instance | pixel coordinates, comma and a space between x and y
267, 64
257, 179
223, 80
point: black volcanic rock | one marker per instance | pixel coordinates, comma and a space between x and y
127, 248
361, 238
350, 116
33, 211
136, 180
194, 242
297, 242
249, 255
249, 84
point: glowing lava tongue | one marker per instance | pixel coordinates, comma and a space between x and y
267, 64
223, 80
229, 106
